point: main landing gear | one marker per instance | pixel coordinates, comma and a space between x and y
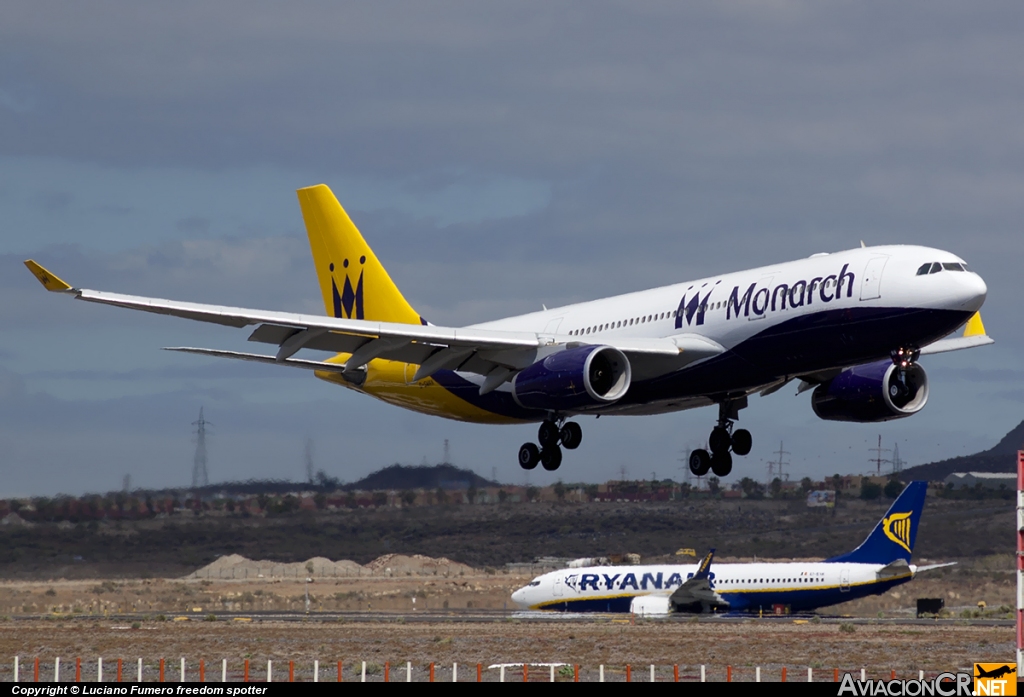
722, 440
549, 454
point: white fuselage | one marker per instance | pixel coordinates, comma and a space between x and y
824, 312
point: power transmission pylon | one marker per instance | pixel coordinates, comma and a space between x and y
897, 461
199, 475
878, 459
772, 464
309, 460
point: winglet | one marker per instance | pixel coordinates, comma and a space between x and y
974, 326
704, 568
51, 282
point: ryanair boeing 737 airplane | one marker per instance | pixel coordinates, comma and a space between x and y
880, 563
849, 325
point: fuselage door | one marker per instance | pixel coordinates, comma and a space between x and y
844, 579
871, 287
556, 587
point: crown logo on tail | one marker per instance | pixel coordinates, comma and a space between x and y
349, 302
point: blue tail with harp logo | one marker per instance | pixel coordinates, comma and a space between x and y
893, 537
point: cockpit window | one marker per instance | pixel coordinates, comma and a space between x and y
936, 267
954, 266
533, 583
923, 271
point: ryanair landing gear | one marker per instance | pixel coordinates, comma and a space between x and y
722, 440
552, 439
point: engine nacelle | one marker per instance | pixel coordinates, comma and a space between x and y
651, 606
573, 379
871, 392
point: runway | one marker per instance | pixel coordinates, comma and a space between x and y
474, 616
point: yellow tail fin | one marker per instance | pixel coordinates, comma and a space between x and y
352, 280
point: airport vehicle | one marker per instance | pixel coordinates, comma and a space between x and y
849, 325
881, 562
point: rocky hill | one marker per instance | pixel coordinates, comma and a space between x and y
1001, 458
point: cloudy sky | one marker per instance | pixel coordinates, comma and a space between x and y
497, 156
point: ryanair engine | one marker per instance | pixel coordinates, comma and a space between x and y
872, 392
572, 379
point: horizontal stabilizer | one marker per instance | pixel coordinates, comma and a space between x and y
895, 568
932, 567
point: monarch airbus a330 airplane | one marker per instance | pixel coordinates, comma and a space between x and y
851, 325
880, 563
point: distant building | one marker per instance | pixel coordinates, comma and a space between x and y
821, 499
987, 480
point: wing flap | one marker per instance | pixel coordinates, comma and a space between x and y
258, 358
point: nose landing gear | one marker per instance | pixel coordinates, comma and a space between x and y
722, 440
553, 436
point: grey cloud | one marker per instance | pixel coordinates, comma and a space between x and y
55, 201
643, 143
193, 226
115, 210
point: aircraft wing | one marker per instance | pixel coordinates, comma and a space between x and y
697, 588
974, 335
496, 354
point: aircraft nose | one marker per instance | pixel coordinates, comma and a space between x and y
519, 597
973, 291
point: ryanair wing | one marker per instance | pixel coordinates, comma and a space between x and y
495, 354
697, 589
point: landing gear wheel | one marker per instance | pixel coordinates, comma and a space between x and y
721, 463
742, 442
700, 462
529, 456
551, 458
720, 440
547, 435
571, 435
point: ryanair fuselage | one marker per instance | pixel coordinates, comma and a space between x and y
754, 587
880, 563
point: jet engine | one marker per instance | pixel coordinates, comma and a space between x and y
650, 605
575, 378
872, 392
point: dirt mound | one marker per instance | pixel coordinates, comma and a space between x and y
416, 565
238, 567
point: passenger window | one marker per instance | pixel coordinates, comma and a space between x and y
923, 270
